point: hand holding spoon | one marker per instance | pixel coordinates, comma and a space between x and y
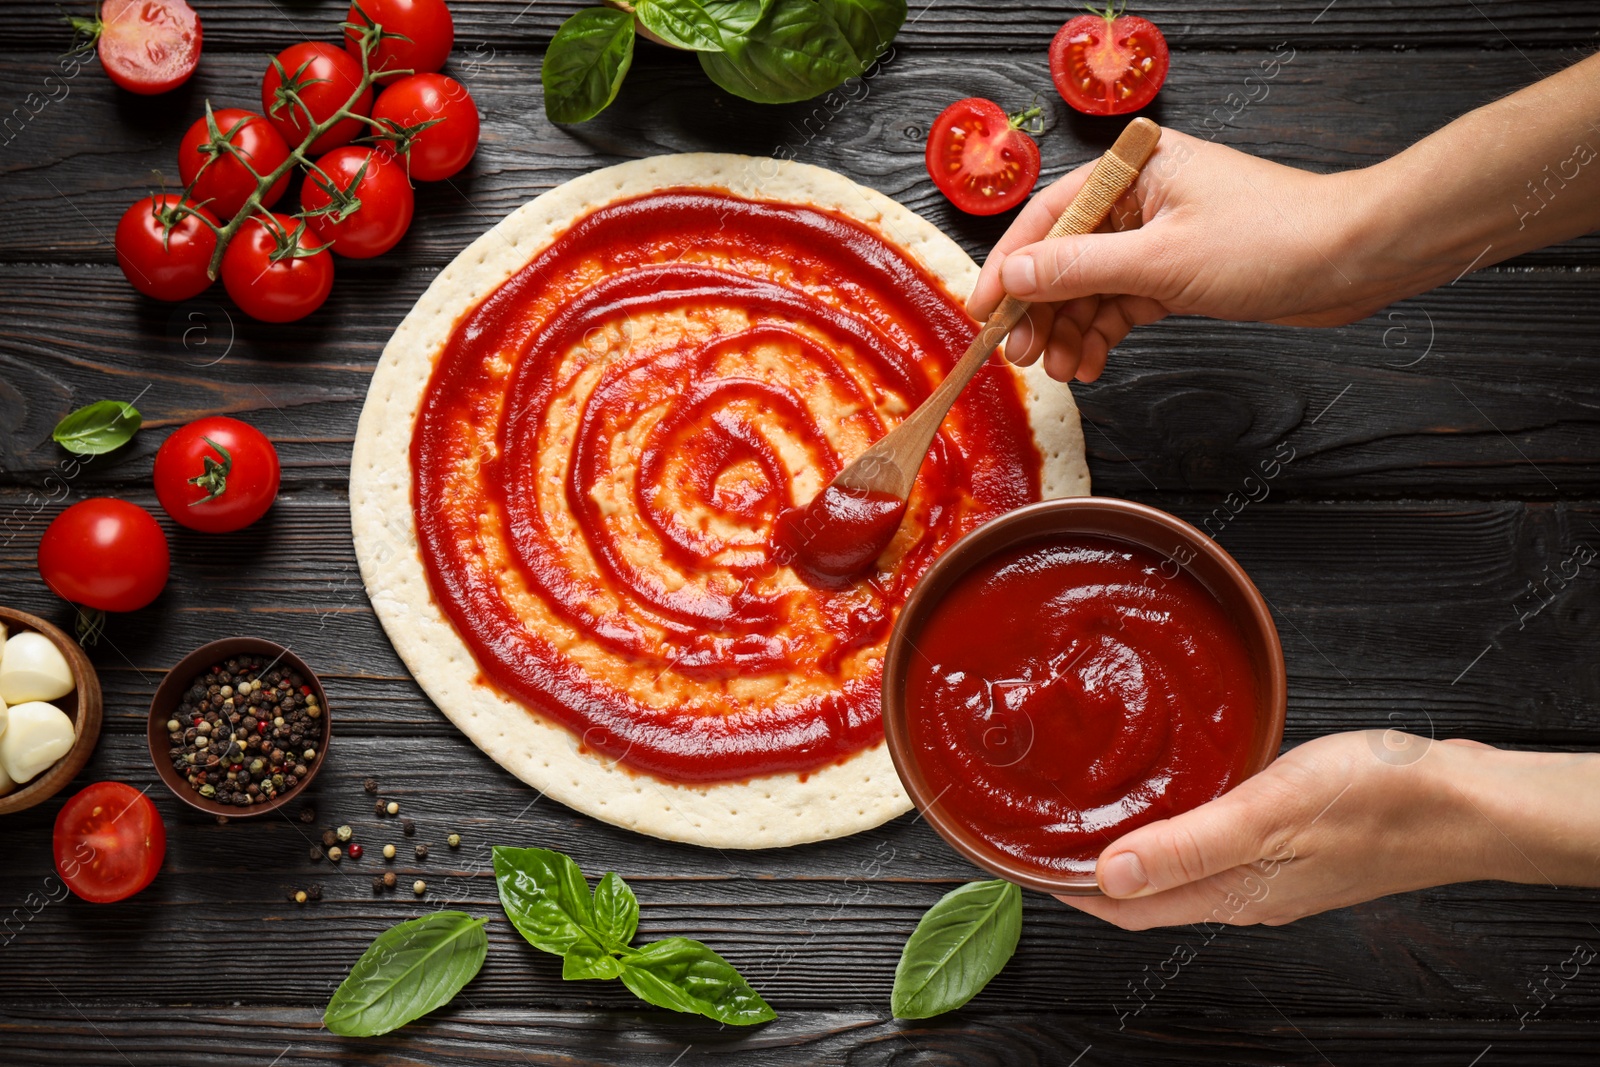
852, 521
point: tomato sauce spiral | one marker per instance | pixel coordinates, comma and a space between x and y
607, 440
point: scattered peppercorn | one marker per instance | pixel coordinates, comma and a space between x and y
393, 807
378, 809
329, 839
388, 852
334, 854
316, 854
377, 883
344, 833
419, 887
243, 718
454, 840
422, 852
314, 891
389, 879
301, 897
370, 785
355, 852
308, 814
408, 827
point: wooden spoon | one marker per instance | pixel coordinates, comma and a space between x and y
890, 466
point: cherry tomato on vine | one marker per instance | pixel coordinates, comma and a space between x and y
979, 157
216, 179
272, 273
216, 474
109, 842
105, 554
164, 253
325, 78
443, 148
426, 22
1108, 63
367, 199
145, 46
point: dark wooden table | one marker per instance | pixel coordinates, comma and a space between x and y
1446, 453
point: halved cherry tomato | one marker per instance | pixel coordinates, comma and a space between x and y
215, 178
979, 157
109, 842
164, 256
367, 198
216, 474
1107, 63
446, 146
105, 554
426, 23
275, 273
146, 46
325, 78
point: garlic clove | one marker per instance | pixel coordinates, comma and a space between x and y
33, 668
37, 735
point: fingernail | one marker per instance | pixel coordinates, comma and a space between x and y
1123, 876
1018, 276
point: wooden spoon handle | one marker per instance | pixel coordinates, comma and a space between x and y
891, 464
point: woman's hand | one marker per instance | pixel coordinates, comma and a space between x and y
1206, 230
1350, 817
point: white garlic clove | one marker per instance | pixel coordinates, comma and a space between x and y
37, 735
33, 668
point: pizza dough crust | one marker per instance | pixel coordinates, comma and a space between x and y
785, 809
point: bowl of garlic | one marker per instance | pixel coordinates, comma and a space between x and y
49, 710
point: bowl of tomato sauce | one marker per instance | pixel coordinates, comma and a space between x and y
1073, 670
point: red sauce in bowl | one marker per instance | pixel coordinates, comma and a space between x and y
1069, 689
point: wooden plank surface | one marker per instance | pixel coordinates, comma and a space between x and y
1396, 549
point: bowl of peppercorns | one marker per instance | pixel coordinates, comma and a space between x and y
239, 727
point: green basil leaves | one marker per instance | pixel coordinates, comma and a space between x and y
960, 944
547, 899
98, 428
406, 972
769, 51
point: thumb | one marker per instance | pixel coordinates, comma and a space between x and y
1232, 830
1064, 268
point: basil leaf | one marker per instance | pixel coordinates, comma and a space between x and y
616, 911
589, 960
684, 975
700, 25
803, 48
963, 942
545, 896
98, 428
585, 63
406, 972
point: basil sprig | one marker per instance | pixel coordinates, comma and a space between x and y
547, 899
768, 51
98, 428
961, 943
406, 972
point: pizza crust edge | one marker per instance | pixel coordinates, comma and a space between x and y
841, 799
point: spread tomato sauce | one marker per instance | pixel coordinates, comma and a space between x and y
1069, 690
608, 439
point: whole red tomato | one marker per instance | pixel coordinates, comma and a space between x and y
325, 78
272, 274
162, 254
443, 148
979, 157
105, 554
1108, 64
219, 181
216, 474
148, 46
426, 23
109, 842
367, 199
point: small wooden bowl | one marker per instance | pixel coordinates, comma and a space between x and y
1167, 536
165, 704
82, 706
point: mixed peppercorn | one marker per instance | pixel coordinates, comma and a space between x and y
337, 843
242, 735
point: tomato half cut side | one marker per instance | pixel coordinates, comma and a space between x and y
109, 842
979, 157
1108, 65
148, 46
